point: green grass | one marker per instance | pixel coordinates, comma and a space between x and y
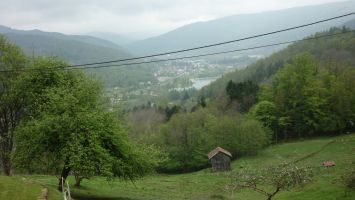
327, 184
21, 188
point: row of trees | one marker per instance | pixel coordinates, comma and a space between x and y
188, 137
327, 49
307, 98
54, 121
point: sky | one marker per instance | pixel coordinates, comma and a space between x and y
136, 18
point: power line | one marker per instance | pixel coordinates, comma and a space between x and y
191, 49
215, 53
217, 44
194, 56
209, 45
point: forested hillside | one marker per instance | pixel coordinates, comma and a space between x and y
77, 49
302, 91
331, 49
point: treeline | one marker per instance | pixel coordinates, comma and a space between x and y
186, 137
307, 98
55, 121
328, 49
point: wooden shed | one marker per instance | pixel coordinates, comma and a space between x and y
220, 159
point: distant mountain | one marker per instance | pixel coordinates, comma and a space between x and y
350, 24
114, 37
79, 49
79, 38
239, 26
73, 48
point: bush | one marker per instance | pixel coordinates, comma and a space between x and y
188, 137
349, 180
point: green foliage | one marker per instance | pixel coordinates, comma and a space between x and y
12, 99
67, 129
188, 137
169, 112
283, 177
334, 50
265, 111
244, 93
307, 98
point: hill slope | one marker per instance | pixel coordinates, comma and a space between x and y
79, 49
336, 48
326, 185
73, 48
19, 188
240, 26
114, 37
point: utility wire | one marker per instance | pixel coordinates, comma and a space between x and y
188, 57
209, 45
215, 53
218, 44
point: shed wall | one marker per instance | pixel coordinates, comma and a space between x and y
221, 162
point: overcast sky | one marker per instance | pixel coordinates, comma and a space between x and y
129, 17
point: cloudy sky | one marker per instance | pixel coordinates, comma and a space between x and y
129, 17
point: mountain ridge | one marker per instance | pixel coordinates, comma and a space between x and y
221, 29
76, 49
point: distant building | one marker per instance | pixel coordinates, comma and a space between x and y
220, 159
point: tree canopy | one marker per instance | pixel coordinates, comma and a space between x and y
55, 121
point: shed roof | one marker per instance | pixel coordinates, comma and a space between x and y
215, 151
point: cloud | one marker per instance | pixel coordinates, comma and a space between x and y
128, 16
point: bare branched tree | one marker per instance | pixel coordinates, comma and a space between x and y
279, 178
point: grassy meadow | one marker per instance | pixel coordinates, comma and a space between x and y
327, 183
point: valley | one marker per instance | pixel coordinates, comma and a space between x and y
133, 100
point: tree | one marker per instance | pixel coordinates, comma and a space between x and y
243, 92
12, 99
144, 122
279, 178
202, 101
188, 137
169, 112
265, 111
308, 98
70, 131
182, 139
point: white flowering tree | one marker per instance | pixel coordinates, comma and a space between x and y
272, 180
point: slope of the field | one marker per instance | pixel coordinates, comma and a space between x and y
327, 183
20, 188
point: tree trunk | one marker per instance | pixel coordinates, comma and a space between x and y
64, 175
270, 196
6, 165
78, 179
5, 154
